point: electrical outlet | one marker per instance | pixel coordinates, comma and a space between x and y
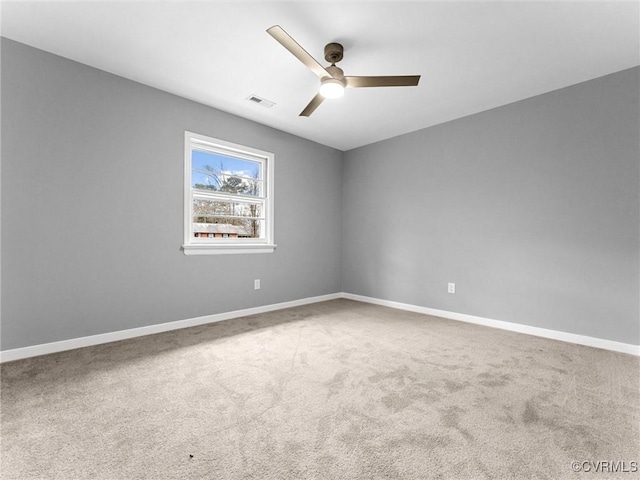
451, 288
256, 284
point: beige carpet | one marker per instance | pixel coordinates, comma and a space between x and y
334, 390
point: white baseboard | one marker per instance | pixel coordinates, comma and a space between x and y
47, 348
54, 347
513, 327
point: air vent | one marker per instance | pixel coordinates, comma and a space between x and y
260, 101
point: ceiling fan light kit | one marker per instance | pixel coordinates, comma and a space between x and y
331, 88
332, 78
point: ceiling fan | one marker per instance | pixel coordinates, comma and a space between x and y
332, 78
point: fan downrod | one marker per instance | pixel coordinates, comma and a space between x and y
333, 53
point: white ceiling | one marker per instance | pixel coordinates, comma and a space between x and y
472, 56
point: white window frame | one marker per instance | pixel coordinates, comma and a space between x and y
217, 246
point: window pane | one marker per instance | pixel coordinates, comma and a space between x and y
215, 172
223, 229
225, 219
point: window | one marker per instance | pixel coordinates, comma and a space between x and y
228, 198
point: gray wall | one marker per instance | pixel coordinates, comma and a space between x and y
532, 209
92, 207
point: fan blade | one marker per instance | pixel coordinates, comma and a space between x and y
400, 81
300, 53
313, 104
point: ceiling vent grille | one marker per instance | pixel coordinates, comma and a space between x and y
260, 101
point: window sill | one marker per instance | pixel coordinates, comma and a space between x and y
226, 249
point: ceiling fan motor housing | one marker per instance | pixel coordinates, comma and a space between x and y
335, 72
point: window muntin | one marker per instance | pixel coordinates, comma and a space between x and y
228, 197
